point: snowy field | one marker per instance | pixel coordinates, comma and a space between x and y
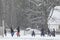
28, 37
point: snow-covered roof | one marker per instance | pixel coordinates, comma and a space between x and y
55, 19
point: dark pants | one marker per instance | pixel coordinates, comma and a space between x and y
12, 34
42, 34
33, 34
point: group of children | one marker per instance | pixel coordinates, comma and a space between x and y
49, 33
12, 31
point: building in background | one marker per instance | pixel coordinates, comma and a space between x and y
54, 21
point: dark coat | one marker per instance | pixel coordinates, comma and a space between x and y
11, 30
18, 29
5, 31
42, 32
33, 33
49, 32
53, 32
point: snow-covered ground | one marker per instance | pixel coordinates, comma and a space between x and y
28, 37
